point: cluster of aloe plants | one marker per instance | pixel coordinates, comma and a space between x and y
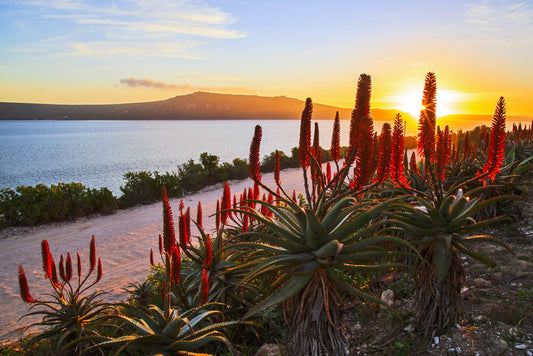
370, 212
71, 313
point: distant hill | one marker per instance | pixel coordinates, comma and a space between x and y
196, 106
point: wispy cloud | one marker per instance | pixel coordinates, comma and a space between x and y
150, 83
131, 23
166, 17
495, 16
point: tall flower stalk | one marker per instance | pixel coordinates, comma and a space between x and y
497, 142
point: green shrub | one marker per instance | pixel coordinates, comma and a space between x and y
28, 206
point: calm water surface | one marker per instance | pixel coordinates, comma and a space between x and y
98, 153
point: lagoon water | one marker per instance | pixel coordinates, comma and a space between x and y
98, 153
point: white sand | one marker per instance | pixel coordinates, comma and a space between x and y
123, 242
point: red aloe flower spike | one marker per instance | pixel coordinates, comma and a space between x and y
466, 149
362, 108
45, 254
317, 155
24, 290
92, 255
226, 203
441, 154
412, 163
199, 215
235, 201
188, 224
160, 245
54, 279
79, 266
497, 141
217, 215
294, 195
204, 293
335, 138
176, 266
255, 174
68, 267
397, 167
182, 206
169, 233
245, 223
208, 252
62, 269
183, 238
276, 168
305, 134
427, 121
152, 258
270, 200
99, 271
385, 150
328, 172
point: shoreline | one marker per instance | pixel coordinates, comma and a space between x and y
123, 242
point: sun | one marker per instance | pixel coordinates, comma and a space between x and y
411, 102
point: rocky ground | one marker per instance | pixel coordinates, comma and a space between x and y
497, 313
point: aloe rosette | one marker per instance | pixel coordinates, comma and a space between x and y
310, 256
167, 332
443, 228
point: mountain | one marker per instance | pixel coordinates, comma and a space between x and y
196, 106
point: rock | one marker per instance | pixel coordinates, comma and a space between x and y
498, 276
270, 350
388, 297
498, 346
409, 328
482, 283
355, 327
520, 347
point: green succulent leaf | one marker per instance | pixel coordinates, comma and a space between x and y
286, 291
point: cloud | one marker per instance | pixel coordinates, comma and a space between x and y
115, 27
493, 15
150, 83
141, 17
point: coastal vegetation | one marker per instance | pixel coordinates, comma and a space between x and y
276, 259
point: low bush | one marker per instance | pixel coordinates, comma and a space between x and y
28, 206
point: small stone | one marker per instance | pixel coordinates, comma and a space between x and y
356, 327
498, 276
520, 347
458, 349
482, 283
528, 353
499, 346
436, 340
269, 350
388, 297
409, 328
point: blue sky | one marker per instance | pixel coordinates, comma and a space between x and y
62, 51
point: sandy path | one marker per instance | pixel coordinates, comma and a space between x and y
123, 242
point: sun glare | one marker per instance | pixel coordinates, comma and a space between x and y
411, 102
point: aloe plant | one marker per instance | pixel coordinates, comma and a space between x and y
310, 256
310, 248
71, 316
443, 229
440, 218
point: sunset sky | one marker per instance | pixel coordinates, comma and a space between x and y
113, 51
